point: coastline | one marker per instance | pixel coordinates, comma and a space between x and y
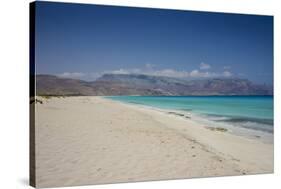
93, 140
211, 138
202, 121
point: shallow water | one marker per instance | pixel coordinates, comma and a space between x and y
251, 112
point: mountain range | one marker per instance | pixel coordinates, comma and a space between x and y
137, 84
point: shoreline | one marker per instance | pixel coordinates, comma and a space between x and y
201, 127
94, 140
255, 134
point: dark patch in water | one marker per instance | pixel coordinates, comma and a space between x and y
254, 120
217, 129
234, 119
265, 125
175, 113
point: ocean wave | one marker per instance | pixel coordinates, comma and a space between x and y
261, 124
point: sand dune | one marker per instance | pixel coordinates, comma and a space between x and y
92, 140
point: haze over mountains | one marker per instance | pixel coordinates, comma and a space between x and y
136, 84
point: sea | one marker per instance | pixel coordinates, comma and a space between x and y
232, 112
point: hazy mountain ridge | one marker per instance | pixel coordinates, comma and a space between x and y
132, 84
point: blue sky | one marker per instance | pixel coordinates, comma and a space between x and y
86, 41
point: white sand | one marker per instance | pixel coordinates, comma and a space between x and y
92, 140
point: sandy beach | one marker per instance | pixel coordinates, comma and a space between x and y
93, 140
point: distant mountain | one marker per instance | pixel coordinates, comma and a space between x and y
53, 85
132, 84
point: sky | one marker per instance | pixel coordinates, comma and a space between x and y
86, 41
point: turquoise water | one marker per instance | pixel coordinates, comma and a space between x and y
253, 112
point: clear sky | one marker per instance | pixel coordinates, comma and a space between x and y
86, 41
